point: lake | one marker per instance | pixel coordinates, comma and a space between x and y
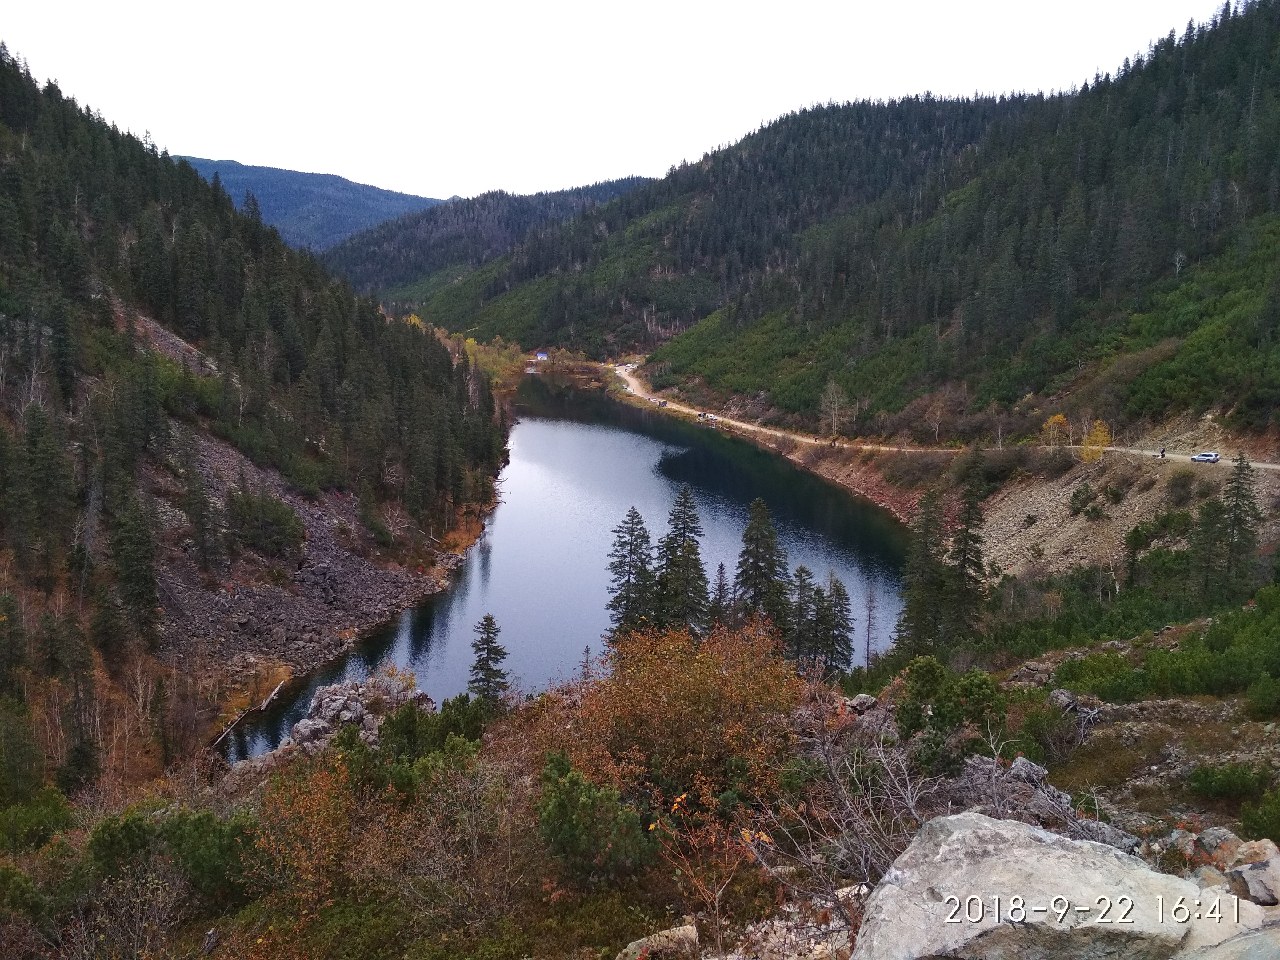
579, 460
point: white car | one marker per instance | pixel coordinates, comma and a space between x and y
1207, 457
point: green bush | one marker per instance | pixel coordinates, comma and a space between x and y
26, 826
1081, 497
1232, 781
263, 523
209, 851
1106, 675
1263, 698
588, 828
1261, 820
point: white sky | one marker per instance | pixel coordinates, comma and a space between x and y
452, 98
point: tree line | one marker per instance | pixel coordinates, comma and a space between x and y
665, 586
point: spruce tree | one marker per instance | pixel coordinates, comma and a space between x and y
803, 641
1243, 517
632, 589
720, 603
762, 583
488, 681
199, 509
133, 552
837, 626
682, 581
1210, 551
966, 567
921, 626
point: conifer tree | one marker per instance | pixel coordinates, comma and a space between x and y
762, 584
720, 603
921, 626
632, 589
803, 640
133, 552
1210, 551
199, 509
837, 625
966, 567
488, 681
1241, 522
682, 581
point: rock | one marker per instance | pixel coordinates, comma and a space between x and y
956, 867
1209, 878
678, 943
1218, 844
309, 730
1260, 882
862, 703
1259, 945
1026, 771
1100, 832
1064, 700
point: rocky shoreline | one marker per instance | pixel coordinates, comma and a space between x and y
251, 624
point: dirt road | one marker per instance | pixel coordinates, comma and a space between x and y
626, 373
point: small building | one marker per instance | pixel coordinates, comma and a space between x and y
540, 356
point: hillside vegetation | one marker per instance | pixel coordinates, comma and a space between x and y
110, 254
413, 254
312, 210
993, 251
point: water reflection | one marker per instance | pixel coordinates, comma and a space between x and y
578, 461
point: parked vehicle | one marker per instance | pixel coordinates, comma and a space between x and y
1208, 456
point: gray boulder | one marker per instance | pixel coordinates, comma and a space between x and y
678, 943
939, 900
1259, 945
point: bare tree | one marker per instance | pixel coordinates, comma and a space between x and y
833, 404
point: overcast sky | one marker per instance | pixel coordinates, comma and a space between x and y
458, 98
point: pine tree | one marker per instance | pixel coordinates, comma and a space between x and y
488, 681
682, 581
720, 603
966, 567
807, 600
837, 636
632, 589
199, 509
1242, 519
761, 585
1210, 554
921, 626
133, 552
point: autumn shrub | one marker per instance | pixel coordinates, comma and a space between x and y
596, 836
675, 713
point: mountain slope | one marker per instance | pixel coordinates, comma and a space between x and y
190, 410
313, 210
956, 253
407, 252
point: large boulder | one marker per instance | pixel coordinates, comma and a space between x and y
1057, 899
1259, 945
678, 943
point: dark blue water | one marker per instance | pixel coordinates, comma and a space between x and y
578, 461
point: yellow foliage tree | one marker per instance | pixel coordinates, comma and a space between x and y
1095, 442
1055, 430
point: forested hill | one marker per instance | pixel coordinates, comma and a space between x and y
103, 412
1116, 241
312, 210
409, 252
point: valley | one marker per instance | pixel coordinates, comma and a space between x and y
860, 542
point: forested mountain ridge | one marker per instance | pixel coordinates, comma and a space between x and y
182, 397
408, 252
967, 253
312, 210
